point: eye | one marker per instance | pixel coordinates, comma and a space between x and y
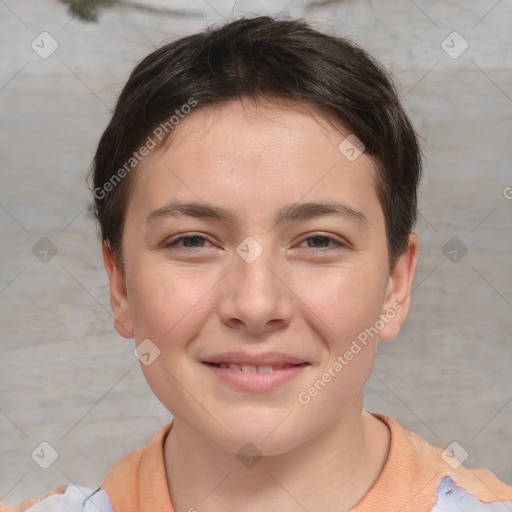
196, 241
322, 242
189, 241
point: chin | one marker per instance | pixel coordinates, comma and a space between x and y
250, 435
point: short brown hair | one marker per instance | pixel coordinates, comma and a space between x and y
263, 57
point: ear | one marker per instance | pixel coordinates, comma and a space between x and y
398, 293
123, 321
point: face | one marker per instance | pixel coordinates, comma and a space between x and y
251, 240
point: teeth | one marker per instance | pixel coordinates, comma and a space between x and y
250, 368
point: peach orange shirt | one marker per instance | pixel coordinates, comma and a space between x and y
415, 478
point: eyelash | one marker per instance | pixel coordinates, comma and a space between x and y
335, 243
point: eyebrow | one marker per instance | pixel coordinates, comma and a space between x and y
294, 211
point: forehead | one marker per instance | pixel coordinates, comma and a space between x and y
247, 127
254, 156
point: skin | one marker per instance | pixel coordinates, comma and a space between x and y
303, 296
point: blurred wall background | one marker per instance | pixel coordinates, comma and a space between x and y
68, 379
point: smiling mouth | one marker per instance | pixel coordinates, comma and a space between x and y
250, 368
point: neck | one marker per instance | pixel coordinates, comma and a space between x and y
330, 472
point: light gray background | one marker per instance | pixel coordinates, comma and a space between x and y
67, 377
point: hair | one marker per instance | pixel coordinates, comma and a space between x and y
260, 58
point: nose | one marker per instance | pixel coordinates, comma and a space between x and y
256, 296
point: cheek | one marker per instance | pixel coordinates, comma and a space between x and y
344, 302
170, 308
170, 305
342, 312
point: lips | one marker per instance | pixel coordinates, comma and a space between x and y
255, 373
256, 363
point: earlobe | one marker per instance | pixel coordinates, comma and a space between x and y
123, 321
398, 293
